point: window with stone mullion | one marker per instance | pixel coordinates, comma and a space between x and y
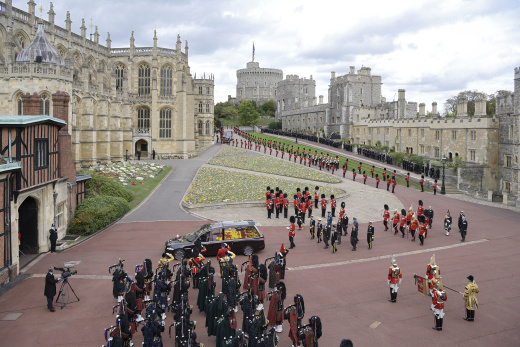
165, 123
144, 80
166, 80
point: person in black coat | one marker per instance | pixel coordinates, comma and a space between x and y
354, 235
50, 289
53, 237
463, 228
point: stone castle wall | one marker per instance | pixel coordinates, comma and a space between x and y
256, 83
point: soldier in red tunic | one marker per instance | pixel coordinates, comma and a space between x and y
292, 232
395, 276
277, 204
413, 226
395, 221
431, 270
388, 181
309, 205
344, 170
316, 196
296, 204
333, 205
377, 180
420, 209
422, 183
408, 180
359, 167
422, 229
303, 210
285, 205
353, 174
402, 222
364, 178
384, 174
393, 185
323, 205
372, 171
435, 188
386, 217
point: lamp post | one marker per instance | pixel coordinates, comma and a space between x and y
127, 155
443, 188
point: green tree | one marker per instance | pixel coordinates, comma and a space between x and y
229, 112
269, 108
219, 106
450, 105
275, 125
247, 113
218, 123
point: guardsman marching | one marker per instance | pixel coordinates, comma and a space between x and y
408, 180
402, 222
439, 297
422, 229
470, 299
333, 205
353, 174
395, 276
420, 209
386, 217
344, 220
323, 205
292, 232
388, 182
312, 227
316, 196
395, 221
370, 235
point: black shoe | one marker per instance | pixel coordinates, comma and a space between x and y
53, 310
466, 319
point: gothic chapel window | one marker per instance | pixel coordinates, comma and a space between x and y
143, 119
44, 105
166, 80
120, 75
165, 123
144, 79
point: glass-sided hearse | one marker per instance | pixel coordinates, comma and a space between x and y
242, 236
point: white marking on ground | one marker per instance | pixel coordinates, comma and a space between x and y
388, 256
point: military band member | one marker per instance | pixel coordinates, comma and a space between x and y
312, 227
439, 297
402, 222
296, 204
323, 205
447, 223
310, 333
420, 209
386, 217
292, 232
370, 235
319, 230
303, 209
275, 314
269, 206
395, 277
278, 204
470, 299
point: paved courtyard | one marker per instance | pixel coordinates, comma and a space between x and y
347, 290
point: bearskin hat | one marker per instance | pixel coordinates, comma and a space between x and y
268, 188
363, 172
271, 191
131, 300
420, 203
343, 204
403, 212
295, 196
316, 187
292, 219
332, 196
254, 260
277, 189
386, 207
377, 175
284, 195
298, 189
139, 279
306, 189
421, 219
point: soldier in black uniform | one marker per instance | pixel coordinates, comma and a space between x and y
334, 240
326, 236
463, 228
370, 235
319, 230
354, 235
312, 227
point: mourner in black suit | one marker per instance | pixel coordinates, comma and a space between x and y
50, 289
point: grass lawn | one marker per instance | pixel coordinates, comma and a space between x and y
212, 185
270, 165
352, 163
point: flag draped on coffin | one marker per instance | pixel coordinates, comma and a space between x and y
422, 285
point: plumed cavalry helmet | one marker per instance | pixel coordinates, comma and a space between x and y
386, 207
393, 262
410, 209
432, 260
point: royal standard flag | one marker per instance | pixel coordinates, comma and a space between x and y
422, 285
253, 51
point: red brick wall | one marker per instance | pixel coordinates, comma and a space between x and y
31, 104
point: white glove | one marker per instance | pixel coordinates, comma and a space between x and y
400, 280
388, 281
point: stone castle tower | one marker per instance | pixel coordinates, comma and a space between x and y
256, 83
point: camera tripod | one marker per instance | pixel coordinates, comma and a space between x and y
64, 294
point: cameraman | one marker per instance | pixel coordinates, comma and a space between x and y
50, 289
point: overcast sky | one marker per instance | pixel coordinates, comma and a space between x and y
432, 48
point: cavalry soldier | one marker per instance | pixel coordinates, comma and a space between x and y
316, 196
470, 299
312, 227
319, 230
395, 276
323, 205
431, 270
447, 223
395, 220
333, 205
386, 217
292, 232
370, 235
439, 297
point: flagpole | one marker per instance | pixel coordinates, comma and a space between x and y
253, 50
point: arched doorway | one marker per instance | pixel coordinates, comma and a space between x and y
141, 145
28, 226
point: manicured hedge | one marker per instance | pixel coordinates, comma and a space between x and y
97, 212
102, 185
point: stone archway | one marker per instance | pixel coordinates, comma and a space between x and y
28, 226
141, 145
